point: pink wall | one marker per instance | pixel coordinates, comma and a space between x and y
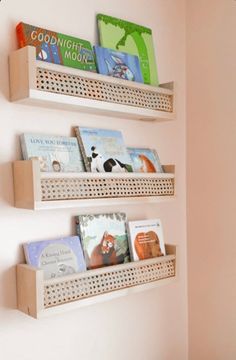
150, 325
211, 177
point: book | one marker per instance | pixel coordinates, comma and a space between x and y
103, 150
57, 48
146, 239
55, 153
104, 239
56, 258
118, 64
145, 160
121, 35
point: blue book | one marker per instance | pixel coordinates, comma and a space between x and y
145, 160
57, 258
103, 150
55, 153
118, 64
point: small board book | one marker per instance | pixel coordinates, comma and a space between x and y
131, 38
103, 150
146, 239
145, 160
104, 239
55, 153
118, 64
57, 258
57, 48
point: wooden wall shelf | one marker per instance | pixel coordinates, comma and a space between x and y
40, 298
37, 190
40, 83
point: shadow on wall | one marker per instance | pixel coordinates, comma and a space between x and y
8, 298
11, 42
6, 184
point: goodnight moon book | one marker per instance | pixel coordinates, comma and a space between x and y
104, 239
57, 258
57, 48
134, 39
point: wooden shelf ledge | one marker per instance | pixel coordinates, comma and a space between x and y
37, 190
35, 82
41, 298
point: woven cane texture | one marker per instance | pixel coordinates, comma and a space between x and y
92, 188
74, 85
85, 286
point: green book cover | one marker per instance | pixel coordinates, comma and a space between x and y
131, 38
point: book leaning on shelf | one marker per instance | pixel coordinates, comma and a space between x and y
103, 150
146, 239
104, 239
56, 258
55, 153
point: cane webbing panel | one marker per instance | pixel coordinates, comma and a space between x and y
91, 285
91, 188
74, 85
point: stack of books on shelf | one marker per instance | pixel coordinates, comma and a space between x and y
101, 240
125, 49
92, 150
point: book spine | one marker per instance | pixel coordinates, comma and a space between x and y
23, 147
82, 149
20, 35
131, 248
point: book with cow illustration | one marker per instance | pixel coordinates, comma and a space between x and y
56, 258
118, 64
146, 239
122, 35
145, 160
57, 48
104, 239
55, 153
103, 150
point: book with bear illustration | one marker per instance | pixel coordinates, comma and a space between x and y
145, 160
57, 48
55, 153
103, 150
146, 239
121, 35
118, 64
104, 239
57, 258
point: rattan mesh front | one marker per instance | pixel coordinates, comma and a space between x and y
91, 285
74, 85
92, 188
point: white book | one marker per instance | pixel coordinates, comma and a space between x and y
55, 153
146, 239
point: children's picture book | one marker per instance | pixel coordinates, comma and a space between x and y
104, 239
118, 64
55, 153
57, 258
146, 239
103, 150
57, 48
145, 160
131, 38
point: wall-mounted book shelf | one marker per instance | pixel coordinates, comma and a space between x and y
39, 298
37, 190
44, 84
